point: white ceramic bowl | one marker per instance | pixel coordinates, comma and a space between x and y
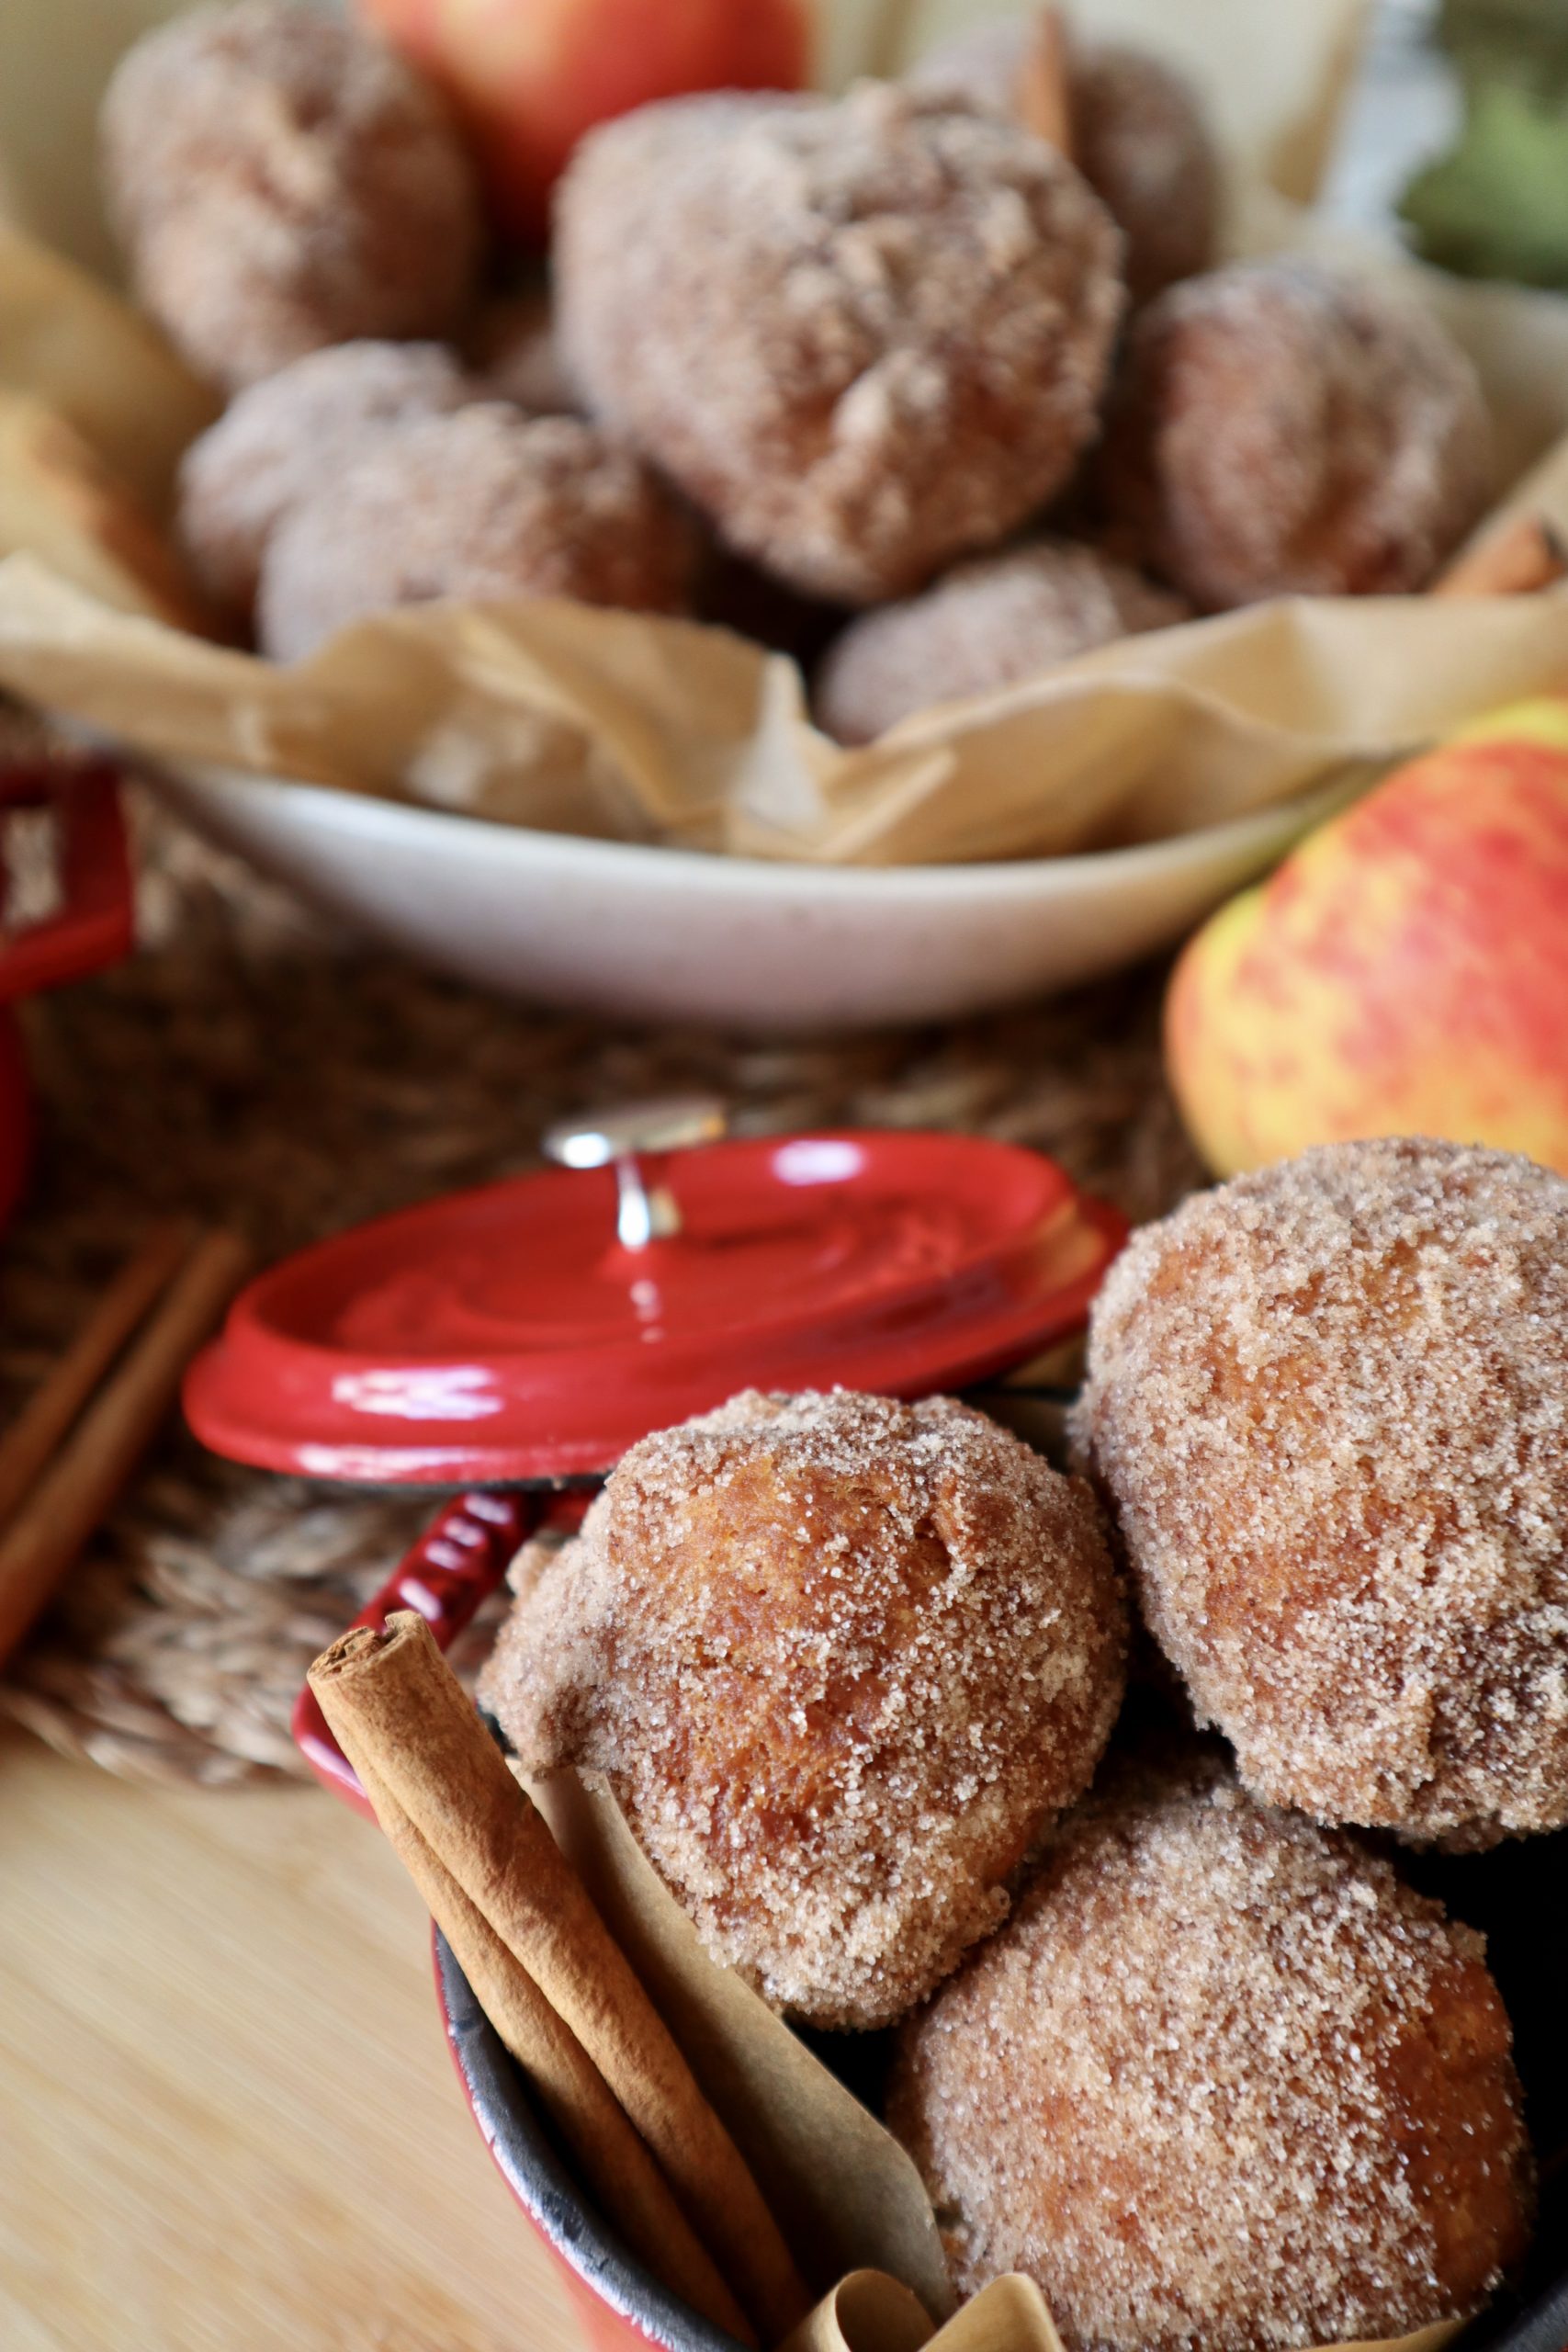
666, 934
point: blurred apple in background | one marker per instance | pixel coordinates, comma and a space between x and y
1405, 972
530, 76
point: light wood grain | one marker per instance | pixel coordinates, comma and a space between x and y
227, 2115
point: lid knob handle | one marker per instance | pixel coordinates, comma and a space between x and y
646, 1209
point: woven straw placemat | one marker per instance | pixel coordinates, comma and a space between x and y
255, 1066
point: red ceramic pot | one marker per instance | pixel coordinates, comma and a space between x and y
1519, 1894
91, 927
523, 1336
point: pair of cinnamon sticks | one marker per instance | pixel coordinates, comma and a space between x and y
553, 1983
66, 1458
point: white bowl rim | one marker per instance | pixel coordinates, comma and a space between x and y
725, 873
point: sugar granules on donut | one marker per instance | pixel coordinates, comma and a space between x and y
291, 434
1328, 1402
842, 1660
1285, 428
1223, 2084
282, 179
993, 623
866, 336
485, 504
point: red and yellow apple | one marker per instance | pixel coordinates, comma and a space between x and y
1404, 971
530, 76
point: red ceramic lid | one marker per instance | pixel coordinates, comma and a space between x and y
505, 1335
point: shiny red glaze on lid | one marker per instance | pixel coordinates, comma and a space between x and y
503, 1335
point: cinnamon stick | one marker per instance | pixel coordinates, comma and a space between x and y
615, 2166
44, 1420
86, 1475
393, 1700
1043, 97
1518, 558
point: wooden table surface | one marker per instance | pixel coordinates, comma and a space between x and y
228, 2119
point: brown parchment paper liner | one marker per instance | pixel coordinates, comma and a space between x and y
845, 2194
849, 2199
867, 2312
557, 717
65, 339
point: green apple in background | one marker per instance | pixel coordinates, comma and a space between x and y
1496, 205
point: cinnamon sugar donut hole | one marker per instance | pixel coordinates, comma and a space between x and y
1222, 2085
1281, 428
1139, 137
842, 1661
281, 179
992, 623
1328, 1402
1141, 140
485, 504
866, 336
288, 436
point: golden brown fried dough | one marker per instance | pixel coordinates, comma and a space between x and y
290, 436
842, 1660
866, 336
1281, 428
1138, 136
1328, 1402
1222, 2085
993, 623
486, 505
280, 180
